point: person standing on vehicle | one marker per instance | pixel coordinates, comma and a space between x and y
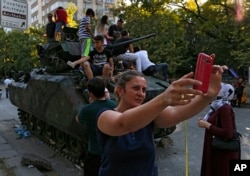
102, 29
50, 29
126, 132
87, 117
125, 52
115, 30
85, 33
149, 68
61, 21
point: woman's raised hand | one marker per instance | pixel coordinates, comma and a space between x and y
181, 91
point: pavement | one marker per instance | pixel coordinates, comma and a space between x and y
10, 159
11, 162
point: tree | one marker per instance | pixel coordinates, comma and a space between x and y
3, 52
18, 51
185, 28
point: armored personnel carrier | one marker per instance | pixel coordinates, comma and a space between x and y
49, 98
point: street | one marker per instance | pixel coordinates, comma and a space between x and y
174, 163
171, 154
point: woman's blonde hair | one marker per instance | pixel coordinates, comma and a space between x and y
101, 25
123, 78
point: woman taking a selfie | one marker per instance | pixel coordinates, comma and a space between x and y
126, 132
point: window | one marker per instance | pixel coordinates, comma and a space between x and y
107, 10
35, 9
88, 5
110, 1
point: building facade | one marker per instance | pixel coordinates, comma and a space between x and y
38, 9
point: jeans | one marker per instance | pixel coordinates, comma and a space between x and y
131, 57
163, 69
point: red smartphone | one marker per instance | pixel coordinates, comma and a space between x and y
203, 71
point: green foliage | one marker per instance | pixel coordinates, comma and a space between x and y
18, 51
188, 29
183, 30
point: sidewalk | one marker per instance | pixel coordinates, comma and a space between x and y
10, 159
10, 162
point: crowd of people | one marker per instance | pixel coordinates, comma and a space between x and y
121, 141
97, 61
120, 134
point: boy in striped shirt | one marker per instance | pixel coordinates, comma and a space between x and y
85, 33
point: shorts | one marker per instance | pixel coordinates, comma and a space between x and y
85, 46
96, 69
59, 26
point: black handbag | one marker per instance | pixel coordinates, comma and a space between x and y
232, 144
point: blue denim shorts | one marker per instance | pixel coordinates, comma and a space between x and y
59, 26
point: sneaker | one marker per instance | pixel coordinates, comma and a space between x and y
71, 64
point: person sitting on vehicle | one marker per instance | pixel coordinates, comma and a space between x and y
99, 62
140, 57
125, 52
151, 69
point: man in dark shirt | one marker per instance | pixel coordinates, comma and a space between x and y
115, 30
50, 28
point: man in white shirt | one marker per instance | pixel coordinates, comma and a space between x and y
6, 82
